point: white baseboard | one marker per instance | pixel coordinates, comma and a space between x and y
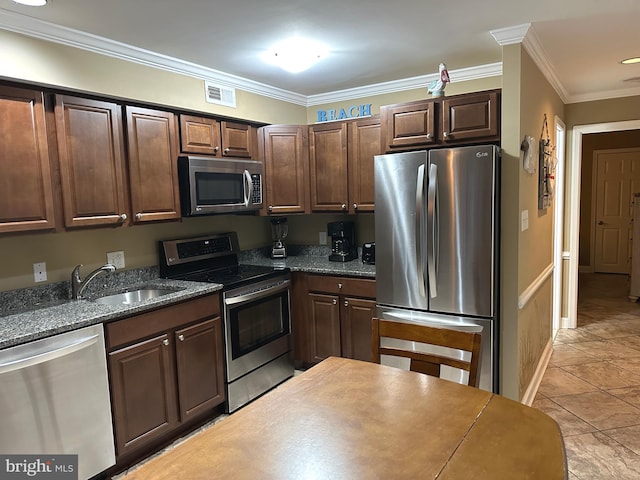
564, 322
530, 394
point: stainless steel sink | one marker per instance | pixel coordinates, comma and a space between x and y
134, 296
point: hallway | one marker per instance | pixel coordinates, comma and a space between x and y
592, 384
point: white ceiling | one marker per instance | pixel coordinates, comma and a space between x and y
577, 43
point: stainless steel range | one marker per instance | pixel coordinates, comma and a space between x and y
256, 305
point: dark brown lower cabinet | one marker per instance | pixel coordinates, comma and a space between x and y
166, 372
139, 373
339, 313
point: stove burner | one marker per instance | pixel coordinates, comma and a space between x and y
233, 276
211, 259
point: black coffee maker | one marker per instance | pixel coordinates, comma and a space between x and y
343, 241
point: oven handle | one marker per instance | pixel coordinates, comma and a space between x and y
267, 292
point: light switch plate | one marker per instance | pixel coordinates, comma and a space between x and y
322, 238
116, 259
40, 272
524, 220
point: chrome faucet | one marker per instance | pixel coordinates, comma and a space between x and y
78, 285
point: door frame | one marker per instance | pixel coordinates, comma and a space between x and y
558, 226
573, 209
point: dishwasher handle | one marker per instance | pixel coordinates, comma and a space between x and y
46, 356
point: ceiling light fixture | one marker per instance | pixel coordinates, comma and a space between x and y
32, 3
295, 54
628, 61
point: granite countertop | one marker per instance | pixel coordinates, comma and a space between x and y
33, 313
51, 316
313, 259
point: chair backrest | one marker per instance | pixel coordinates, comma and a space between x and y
428, 363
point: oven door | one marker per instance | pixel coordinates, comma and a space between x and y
257, 325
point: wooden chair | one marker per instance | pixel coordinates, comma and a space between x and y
426, 362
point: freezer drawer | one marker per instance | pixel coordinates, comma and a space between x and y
484, 326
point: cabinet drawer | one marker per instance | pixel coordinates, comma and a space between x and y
134, 328
360, 287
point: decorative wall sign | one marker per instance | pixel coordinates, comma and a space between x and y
355, 111
546, 168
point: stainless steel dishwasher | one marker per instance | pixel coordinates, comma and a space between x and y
54, 399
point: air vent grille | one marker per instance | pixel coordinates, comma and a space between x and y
220, 95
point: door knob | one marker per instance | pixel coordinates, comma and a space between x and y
600, 222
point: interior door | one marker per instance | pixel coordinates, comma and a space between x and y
617, 179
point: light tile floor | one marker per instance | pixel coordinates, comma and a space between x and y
592, 384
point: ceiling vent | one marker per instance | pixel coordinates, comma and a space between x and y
220, 95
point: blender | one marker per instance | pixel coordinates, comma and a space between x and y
279, 230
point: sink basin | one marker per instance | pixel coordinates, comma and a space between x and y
134, 296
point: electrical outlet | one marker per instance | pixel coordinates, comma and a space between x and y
322, 238
116, 259
40, 272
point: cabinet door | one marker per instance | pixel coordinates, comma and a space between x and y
471, 117
364, 144
153, 170
356, 327
324, 327
199, 360
328, 167
26, 194
408, 126
92, 165
238, 140
284, 150
142, 393
199, 135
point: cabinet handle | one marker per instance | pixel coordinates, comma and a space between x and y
270, 208
165, 342
344, 206
226, 151
138, 216
430, 137
355, 206
123, 217
346, 304
335, 302
447, 135
339, 285
215, 149
181, 337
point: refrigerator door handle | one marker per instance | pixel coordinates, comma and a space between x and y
419, 229
432, 227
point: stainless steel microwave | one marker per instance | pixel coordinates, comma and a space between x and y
225, 185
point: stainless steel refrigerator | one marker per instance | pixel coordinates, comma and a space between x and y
436, 233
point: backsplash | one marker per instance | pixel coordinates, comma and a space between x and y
13, 301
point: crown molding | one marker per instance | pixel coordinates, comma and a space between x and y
51, 32
460, 75
534, 48
510, 35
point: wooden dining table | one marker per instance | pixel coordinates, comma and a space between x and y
347, 419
